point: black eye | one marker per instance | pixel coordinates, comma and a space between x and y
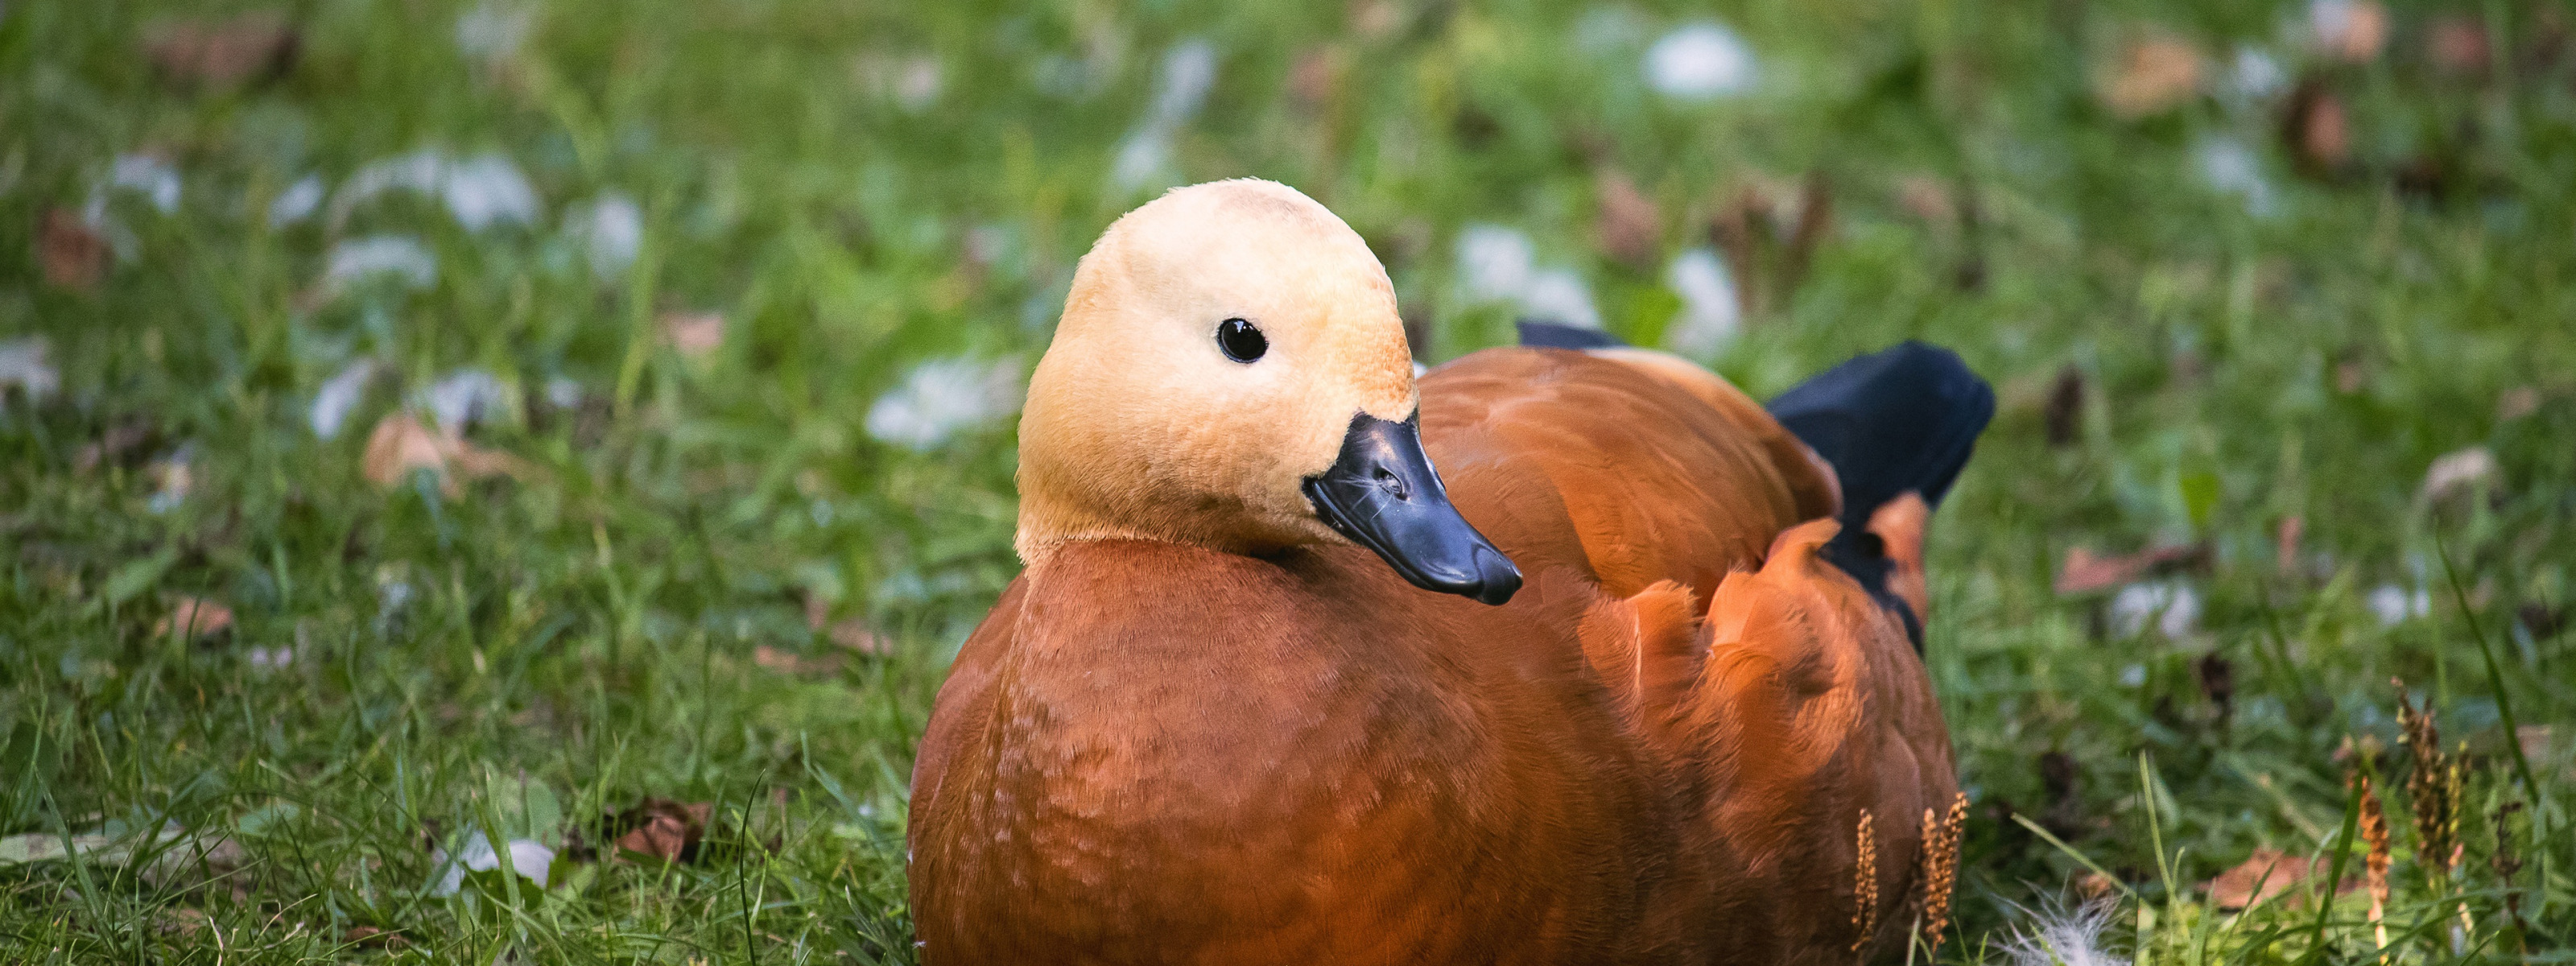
1241, 342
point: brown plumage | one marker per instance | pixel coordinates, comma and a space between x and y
1171, 750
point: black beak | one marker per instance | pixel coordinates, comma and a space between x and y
1383, 494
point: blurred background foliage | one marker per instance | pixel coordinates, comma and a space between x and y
586, 426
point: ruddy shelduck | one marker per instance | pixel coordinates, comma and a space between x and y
1617, 682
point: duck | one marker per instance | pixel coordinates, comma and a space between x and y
1562, 652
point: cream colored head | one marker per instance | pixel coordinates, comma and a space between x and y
1140, 426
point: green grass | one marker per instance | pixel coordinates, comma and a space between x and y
533, 653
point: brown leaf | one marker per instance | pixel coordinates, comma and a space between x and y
2085, 572
2534, 739
74, 257
1630, 226
2065, 407
857, 637
2265, 875
2351, 376
374, 938
2516, 403
257, 45
662, 829
2153, 74
2457, 45
693, 334
790, 662
1315, 81
2286, 551
2543, 621
195, 617
401, 443
128, 438
1925, 197
2317, 129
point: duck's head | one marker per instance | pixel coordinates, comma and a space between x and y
1230, 372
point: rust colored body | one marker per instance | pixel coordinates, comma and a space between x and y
1658, 752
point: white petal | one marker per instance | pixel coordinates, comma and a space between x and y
1710, 315
340, 394
1559, 295
399, 255
155, 178
492, 31
23, 367
611, 230
487, 190
464, 397
2229, 166
946, 396
297, 202
1700, 61
1494, 263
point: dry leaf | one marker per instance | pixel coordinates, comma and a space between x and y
1630, 226
1925, 197
258, 45
2534, 739
74, 257
662, 829
2351, 377
2065, 407
374, 938
2457, 45
2286, 551
401, 443
2085, 572
2317, 129
790, 662
2459, 472
693, 334
196, 618
2154, 74
1316, 79
2267, 874
2516, 403
855, 636
2543, 621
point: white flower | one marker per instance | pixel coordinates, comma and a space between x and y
611, 230
276, 659
2065, 939
1495, 264
23, 367
564, 392
1700, 61
482, 191
1559, 295
527, 858
297, 202
340, 394
2393, 605
2255, 75
492, 31
1710, 315
465, 397
2229, 166
399, 255
944, 396
917, 86
1189, 70
155, 178
486, 190
2173, 605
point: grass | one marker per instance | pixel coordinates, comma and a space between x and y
859, 188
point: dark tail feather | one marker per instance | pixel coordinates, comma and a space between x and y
1893, 421
1558, 335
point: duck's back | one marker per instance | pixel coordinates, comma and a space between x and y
1618, 468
